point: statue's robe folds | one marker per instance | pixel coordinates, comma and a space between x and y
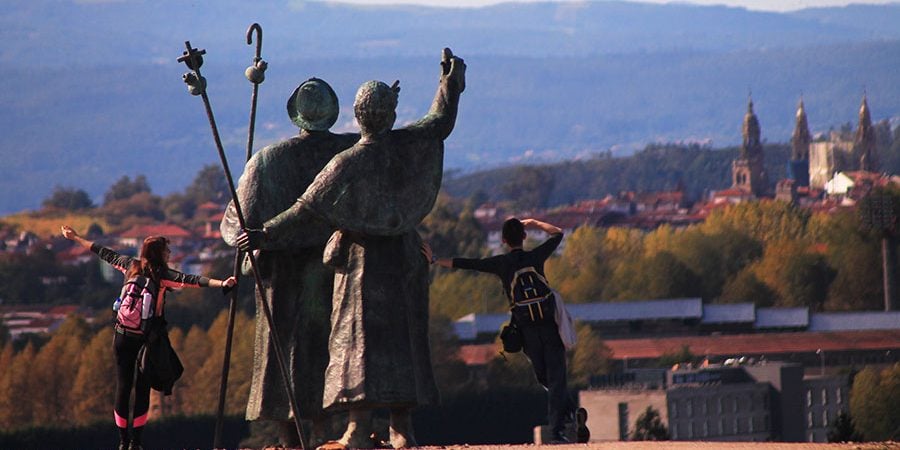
297, 284
376, 193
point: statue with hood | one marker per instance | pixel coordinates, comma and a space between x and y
375, 194
297, 284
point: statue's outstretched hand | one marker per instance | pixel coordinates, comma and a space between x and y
454, 68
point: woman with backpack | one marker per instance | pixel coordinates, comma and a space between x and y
147, 278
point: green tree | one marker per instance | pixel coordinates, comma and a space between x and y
843, 429
68, 199
450, 372
451, 230
746, 287
766, 221
658, 276
205, 383
53, 368
93, 389
581, 272
194, 350
141, 207
209, 185
796, 276
17, 384
528, 187
589, 357
875, 403
457, 293
649, 427
125, 188
680, 356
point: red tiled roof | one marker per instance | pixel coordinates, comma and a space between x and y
754, 344
63, 310
210, 206
478, 354
167, 230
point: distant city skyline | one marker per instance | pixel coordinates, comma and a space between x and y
756, 5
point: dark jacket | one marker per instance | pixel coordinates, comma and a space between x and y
158, 360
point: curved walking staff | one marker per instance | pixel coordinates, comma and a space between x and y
256, 75
193, 58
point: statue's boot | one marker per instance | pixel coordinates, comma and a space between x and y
318, 434
287, 434
358, 433
401, 429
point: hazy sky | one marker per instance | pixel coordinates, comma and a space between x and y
767, 5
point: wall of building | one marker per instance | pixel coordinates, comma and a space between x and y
720, 412
606, 407
824, 399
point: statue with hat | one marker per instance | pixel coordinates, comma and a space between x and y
298, 285
375, 194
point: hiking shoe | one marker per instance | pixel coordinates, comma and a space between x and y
582, 434
559, 438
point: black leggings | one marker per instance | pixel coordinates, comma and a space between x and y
126, 349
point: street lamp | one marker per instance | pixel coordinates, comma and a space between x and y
821, 354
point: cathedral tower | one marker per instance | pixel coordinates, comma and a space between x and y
798, 166
747, 171
864, 144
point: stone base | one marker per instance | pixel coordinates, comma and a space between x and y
543, 434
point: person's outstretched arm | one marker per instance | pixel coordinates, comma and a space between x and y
70, 234
549, 246
543, 226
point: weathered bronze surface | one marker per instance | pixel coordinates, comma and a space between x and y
296, 282
376, 193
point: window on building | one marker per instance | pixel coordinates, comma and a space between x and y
734, 405
721, 426
824, 396
809, 397
673, 409
809, 420
750, 424
703, 411
705, 428
690, 408
825, 418
734, 426
719, 405
691, 430
837, 396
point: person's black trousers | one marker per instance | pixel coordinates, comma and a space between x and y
542, 345
126, 349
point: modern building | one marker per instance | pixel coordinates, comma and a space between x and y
754, 402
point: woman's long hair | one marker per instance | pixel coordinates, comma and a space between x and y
152, 260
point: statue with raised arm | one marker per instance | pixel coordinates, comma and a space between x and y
297, 284
375, 193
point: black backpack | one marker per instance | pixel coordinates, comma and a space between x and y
531, 296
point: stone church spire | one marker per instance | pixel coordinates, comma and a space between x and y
864, 143
751, 145
800, 139
747, 171
798, 166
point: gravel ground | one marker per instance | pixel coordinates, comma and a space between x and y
683, 445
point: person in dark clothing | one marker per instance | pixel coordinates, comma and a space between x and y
540, 333
152, 264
